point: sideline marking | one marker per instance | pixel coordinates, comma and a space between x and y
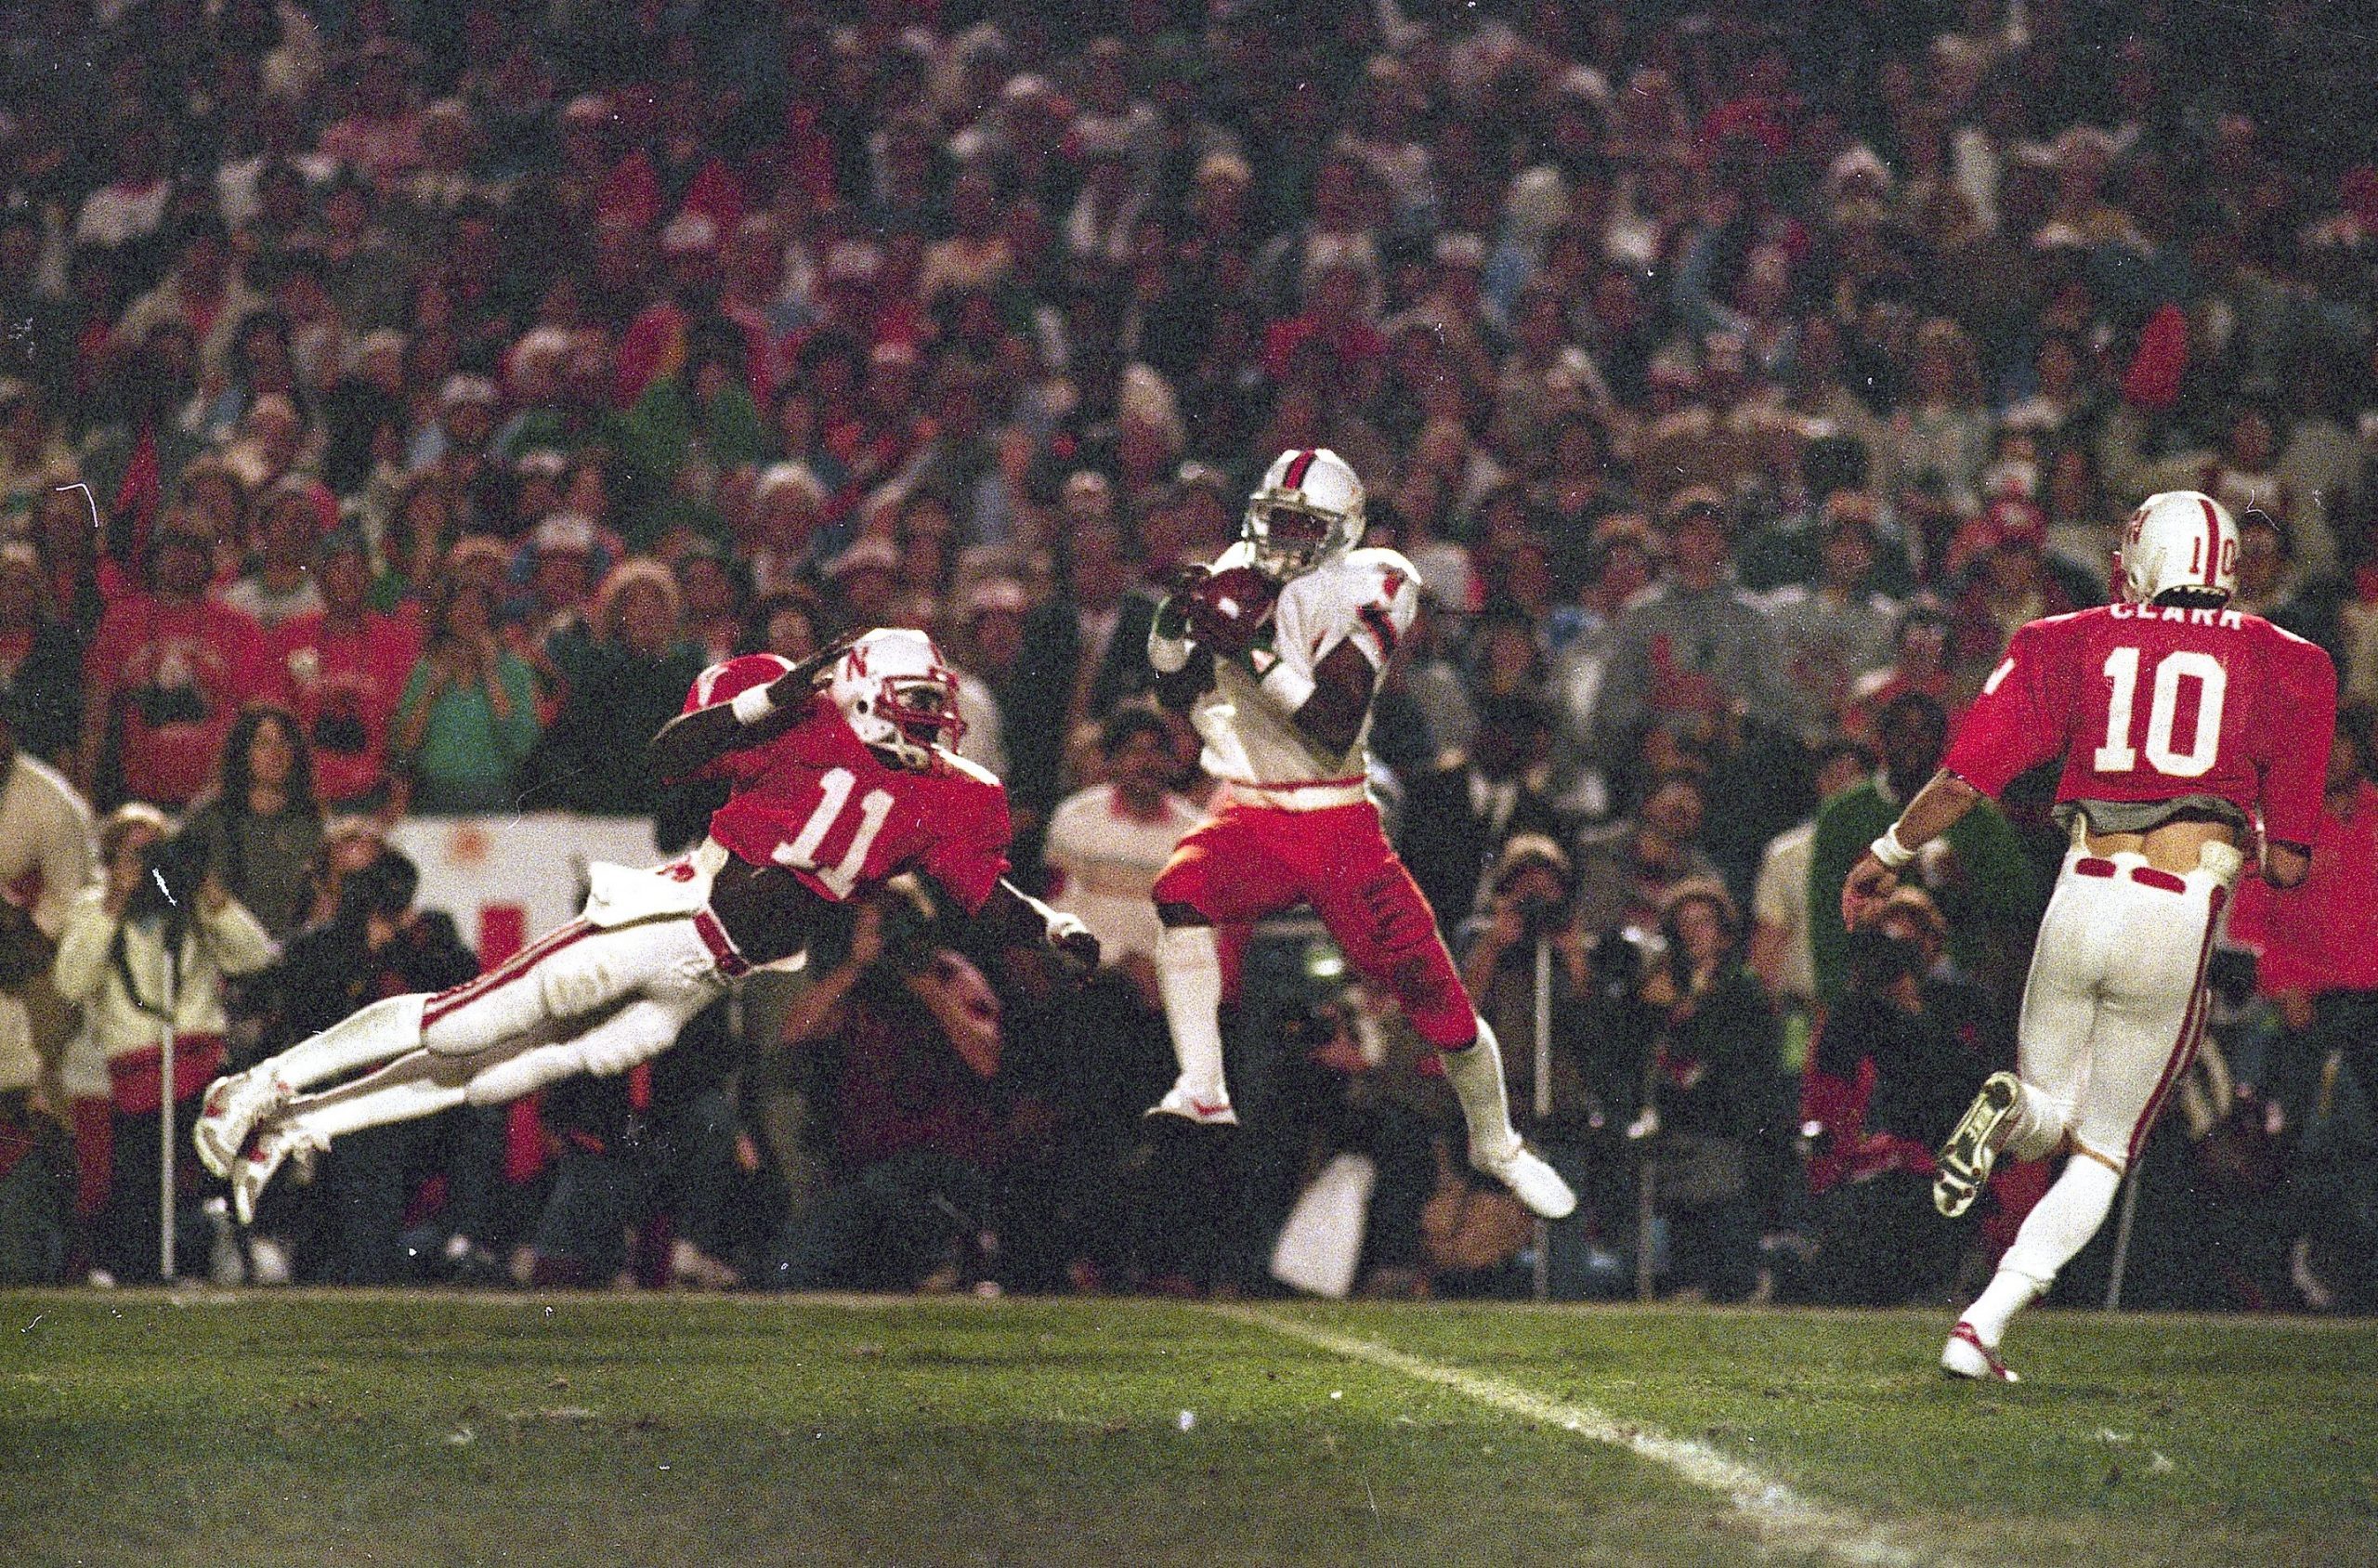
1780, 1515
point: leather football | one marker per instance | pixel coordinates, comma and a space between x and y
1228, 610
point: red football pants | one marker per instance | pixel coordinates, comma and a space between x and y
1247, 861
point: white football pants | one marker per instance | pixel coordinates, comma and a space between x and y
583, 999
2115, 1002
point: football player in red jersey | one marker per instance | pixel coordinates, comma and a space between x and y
2180, 721
1278, 647
839, 777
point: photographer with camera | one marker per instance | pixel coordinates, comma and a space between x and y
1714, 1111
1888, 1072
378, 944
1531, 906
904, 1038
44, 860
146, 952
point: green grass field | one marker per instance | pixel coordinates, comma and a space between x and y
137, 1428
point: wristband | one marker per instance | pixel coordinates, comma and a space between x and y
1290, 688
753, 704
1890, 851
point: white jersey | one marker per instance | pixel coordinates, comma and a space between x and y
1368, 597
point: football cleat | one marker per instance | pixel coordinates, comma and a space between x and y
1191, 1107
1532, 1180
1966, 1356
272, 1148
233, 1105
1965, 1158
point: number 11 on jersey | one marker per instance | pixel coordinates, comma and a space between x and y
834, 787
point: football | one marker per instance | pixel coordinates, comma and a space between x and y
1227, 609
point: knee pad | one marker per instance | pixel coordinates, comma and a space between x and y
638, 1033
577, 979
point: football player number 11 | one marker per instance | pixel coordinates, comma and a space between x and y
834, 787
2117, 755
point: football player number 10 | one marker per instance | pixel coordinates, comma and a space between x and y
2117, 755
834, 787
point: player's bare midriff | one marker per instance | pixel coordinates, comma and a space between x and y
2171, 846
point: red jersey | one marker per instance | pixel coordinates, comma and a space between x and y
346, 684
816, 801
171, 677
2323, 935
2152, 703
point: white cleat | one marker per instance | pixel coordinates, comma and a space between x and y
1973, 1146
265, 1157
1531, 1181
1189, 1105
233, 1105
1966, 1356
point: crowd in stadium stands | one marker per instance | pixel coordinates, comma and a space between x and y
399, 403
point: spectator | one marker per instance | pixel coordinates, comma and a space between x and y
347, 667
2011, 583
279, 586
913, 1039
1983, 882
259, 827
1621, 563
467, 719
1782, 913
377, 944
1711, 1094
1627, 870
1941, 432
1530, 902
146, 952
33, 456
166, 673
1107, 842
1835, 630
203, 293
620, 685
40, 658
45, 864
1693, 642
1891, 1064
2318, 944
1457, 816
1920, 641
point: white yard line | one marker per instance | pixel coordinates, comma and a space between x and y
1778, 1514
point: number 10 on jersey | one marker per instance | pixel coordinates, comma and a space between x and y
834, 787
2117, 755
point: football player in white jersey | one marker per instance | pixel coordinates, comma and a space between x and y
1279, 645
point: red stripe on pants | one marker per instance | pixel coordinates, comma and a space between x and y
2191, 1031
445, 1004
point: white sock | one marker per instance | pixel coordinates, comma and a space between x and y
2059, 1228
403, 1091
1476, 1074
381, 1032
1189, 977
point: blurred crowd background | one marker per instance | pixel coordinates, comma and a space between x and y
399, 403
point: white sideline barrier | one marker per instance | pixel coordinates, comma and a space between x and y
509, 879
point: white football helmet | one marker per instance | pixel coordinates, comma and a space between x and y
1308, 510
2180, 539
898, 694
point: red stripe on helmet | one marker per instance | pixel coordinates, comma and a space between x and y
1297, 467
2212, 543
